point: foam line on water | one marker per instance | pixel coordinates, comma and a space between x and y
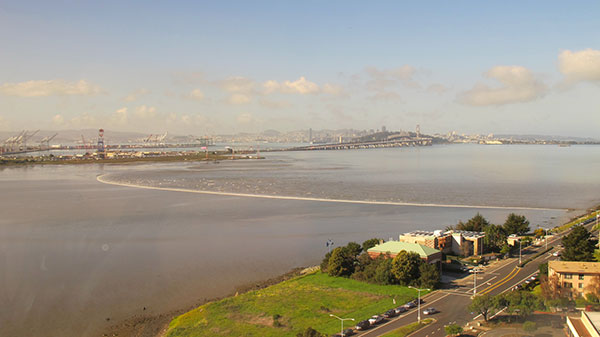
101, 179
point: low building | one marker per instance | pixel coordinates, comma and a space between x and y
586, 325
574, 275
437, 239
467, 243
427, 254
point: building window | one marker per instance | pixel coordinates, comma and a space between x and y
567, 285
568, 276
580, 286
581, 276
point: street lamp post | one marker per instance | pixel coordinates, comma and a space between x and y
418, 301
519, 250
342, 321
475, 281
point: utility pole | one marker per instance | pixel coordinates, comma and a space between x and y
418, 301
519, 250
342, 321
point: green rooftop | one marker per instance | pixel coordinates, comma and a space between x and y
395, 247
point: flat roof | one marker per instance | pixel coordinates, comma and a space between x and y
395, 247
575, 267
594, 317
469, 234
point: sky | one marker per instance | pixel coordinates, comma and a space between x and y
205, 68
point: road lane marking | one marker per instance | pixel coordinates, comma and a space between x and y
512, 274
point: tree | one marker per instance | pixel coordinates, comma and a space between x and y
405, 267
383, 273
340, 263
429, 276
476, 224
523, 303
370, 244
325, 262
310, 332
495, 237
552, 291
505, 249
453, 329
543, 268
593, 287
353, 249
578, 245
540, 232
516, 224
482, 304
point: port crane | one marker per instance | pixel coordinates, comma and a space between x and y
46, 141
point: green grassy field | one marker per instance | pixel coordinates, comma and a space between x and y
289, 307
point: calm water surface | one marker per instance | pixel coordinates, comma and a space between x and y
74, 251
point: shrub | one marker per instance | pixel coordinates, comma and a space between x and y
529, 326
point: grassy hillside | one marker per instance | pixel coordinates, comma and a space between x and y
286, 308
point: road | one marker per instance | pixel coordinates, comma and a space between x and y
452, 302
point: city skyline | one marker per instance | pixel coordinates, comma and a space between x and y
233, 67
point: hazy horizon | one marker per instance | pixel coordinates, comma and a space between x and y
231, 67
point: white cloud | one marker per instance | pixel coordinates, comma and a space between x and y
300, 86
134, 96
239, 99
119, 117
196, 94
49, 88
580, 66
145, 112
518, 84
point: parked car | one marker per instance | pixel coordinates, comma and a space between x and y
556, 254
409, 305
390, 313
430, 311
400, 310
417, 301
347, 332
373, 319
379, 319
363, 325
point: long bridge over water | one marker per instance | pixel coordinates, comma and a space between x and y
399, 142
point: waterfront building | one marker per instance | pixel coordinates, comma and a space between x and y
427, 254
455, 242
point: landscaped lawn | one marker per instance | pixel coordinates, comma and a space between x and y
289, 307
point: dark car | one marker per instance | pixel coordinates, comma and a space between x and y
347, 332
409, 305
390, 313
418, 301
363, 325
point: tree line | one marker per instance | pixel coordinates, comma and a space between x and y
407, 268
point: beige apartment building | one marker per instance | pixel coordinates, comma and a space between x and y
574, 275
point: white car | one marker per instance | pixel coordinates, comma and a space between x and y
430, 311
